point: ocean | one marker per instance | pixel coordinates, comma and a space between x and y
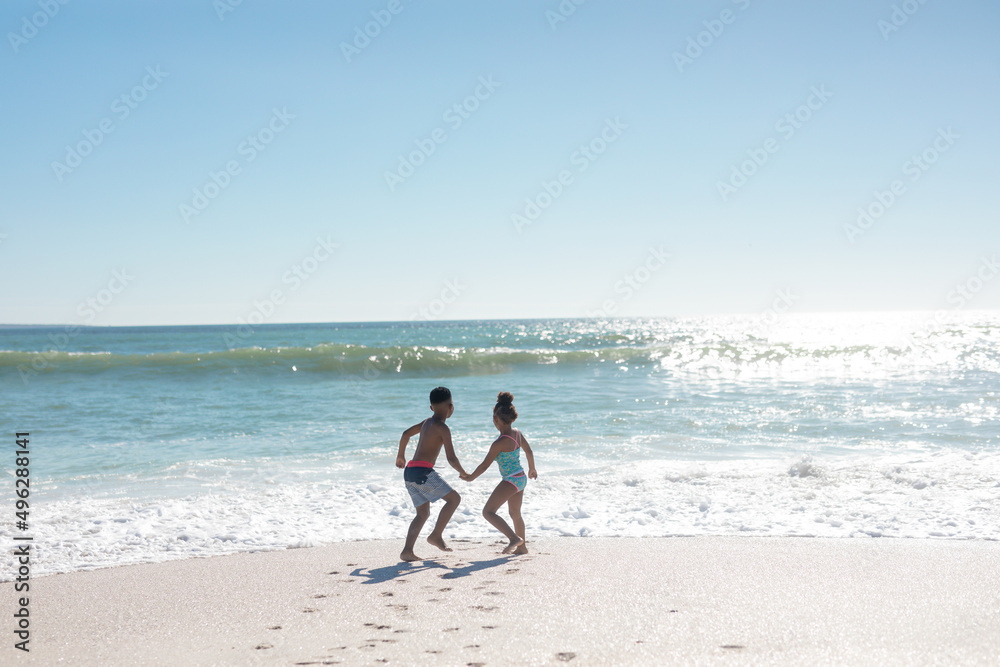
155, 443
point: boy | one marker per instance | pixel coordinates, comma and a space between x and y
423, 483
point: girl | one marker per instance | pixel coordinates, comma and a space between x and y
506, 450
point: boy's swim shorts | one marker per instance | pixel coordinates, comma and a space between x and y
424, 485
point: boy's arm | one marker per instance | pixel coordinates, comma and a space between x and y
449, 452
532, 473
487, 462
403, 440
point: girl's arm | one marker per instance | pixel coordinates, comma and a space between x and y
405, 438
490, 456
532, 473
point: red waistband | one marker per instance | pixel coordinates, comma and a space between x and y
419, 464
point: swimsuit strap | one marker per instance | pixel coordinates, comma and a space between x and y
516, 440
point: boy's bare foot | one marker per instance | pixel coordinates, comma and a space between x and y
409, 556
438, 542
514, 544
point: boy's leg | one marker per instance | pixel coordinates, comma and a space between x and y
451, 501
514, 507
502, 494
423, 511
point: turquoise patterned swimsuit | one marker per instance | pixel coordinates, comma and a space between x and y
510, 464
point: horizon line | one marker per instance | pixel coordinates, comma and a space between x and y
498, 319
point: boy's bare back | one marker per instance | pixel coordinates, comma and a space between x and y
433, 435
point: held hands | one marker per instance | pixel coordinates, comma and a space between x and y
465, 477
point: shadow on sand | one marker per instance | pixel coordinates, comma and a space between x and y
383, 574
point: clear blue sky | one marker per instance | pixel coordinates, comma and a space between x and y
681, 131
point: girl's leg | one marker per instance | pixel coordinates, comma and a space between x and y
500, 495
514, 507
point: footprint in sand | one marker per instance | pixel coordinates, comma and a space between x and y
510, 571
475, 664
309, 610
494, 592
334, 572
489, 627
431, 651
319, 596
471, 646
449, 629
735, 646
398, 607
434, 600
480, 607
274, 627
443, 590
263, 646
565, 657
386, 594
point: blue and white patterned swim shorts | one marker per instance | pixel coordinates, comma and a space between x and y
425, 485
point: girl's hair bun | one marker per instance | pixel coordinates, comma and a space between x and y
504, 409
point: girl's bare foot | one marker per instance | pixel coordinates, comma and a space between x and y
523, 549
409, 556
438, 541
514, 544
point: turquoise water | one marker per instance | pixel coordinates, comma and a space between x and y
161, 442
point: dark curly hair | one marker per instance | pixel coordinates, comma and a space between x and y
504, 409
440, 395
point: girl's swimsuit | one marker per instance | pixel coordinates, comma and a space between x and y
510, 464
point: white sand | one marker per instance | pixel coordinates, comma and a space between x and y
697, 600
